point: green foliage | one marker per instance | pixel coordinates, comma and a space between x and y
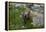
14, 16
